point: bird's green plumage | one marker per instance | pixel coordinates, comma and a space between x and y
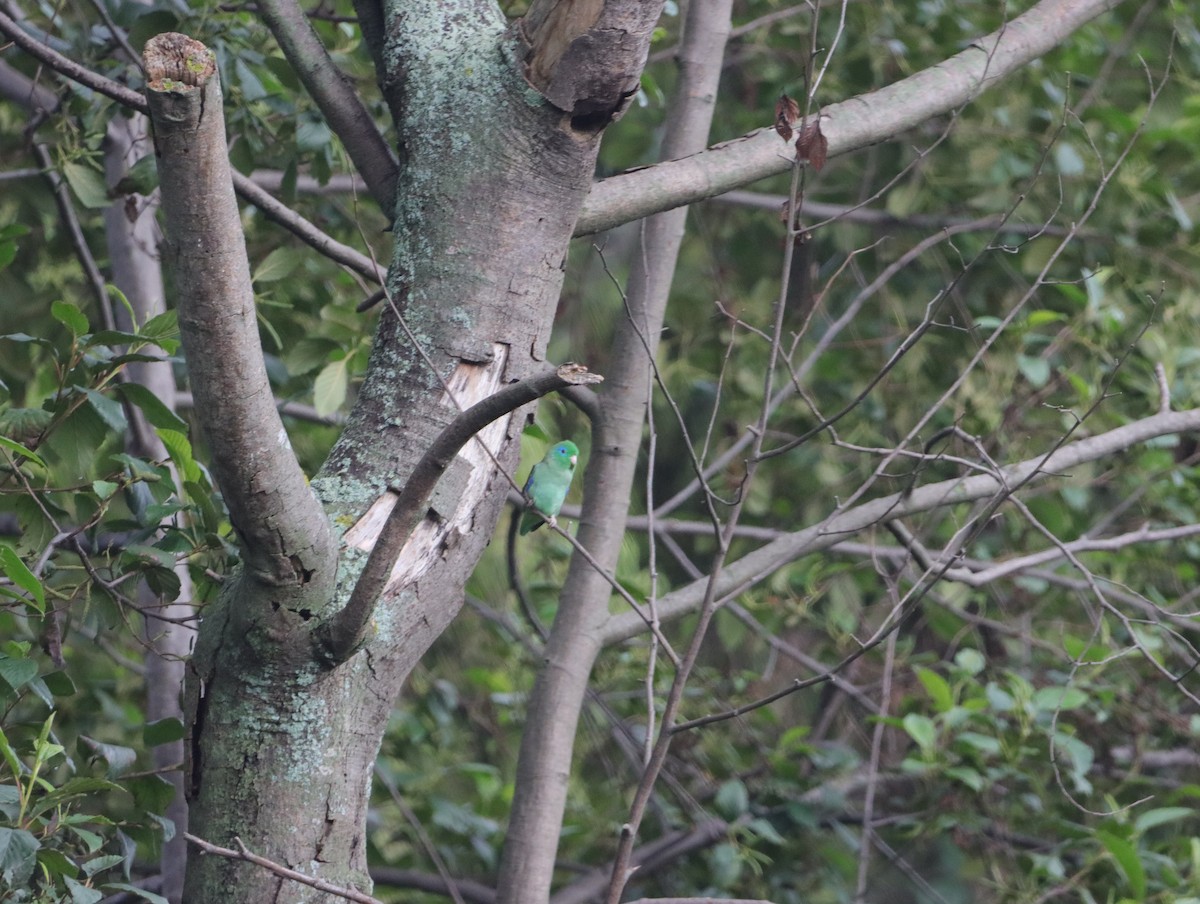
548, 484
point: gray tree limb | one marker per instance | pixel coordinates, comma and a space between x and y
841, 525
848, 125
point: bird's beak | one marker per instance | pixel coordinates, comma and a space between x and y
574, 460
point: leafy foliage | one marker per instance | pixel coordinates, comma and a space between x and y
1031, 742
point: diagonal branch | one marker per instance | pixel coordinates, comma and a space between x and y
762, 562
273, 209
849, 125
335, 96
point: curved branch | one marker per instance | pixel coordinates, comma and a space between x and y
336, 98
849, 125
283, 528
764, 561
343, 634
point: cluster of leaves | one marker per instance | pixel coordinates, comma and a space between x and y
61, 838
91, 521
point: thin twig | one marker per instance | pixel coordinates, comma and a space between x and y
243, 853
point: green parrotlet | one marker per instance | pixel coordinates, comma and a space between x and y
548, 484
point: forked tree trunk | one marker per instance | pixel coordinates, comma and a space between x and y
492, 176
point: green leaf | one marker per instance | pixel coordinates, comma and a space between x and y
1049, 699
70, 317
88, 185
1081, 758
104, 488
141, 178
18, 857
113, 338
155, 410
146, 26
937, 688
151, 793
74, 789
17, 672
163, 331
1127, 858
164, 731
969, 777
99, 864
136, 892
279, 264
329, 390
10, 756
81, 894
307, 355
110, 410
180, 450
1035, 370
970, 661
118, 758
59, 684
922, 730
17, 572
17, 449
733, 800
24, 422
1161, 816
56, 863
982, 743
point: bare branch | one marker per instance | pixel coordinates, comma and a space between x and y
64, 65
282, 524
849, 125
857, 213
761, 563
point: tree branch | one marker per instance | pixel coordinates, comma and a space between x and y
283, 528
849, 125
345, 632
336, 98
762, 562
